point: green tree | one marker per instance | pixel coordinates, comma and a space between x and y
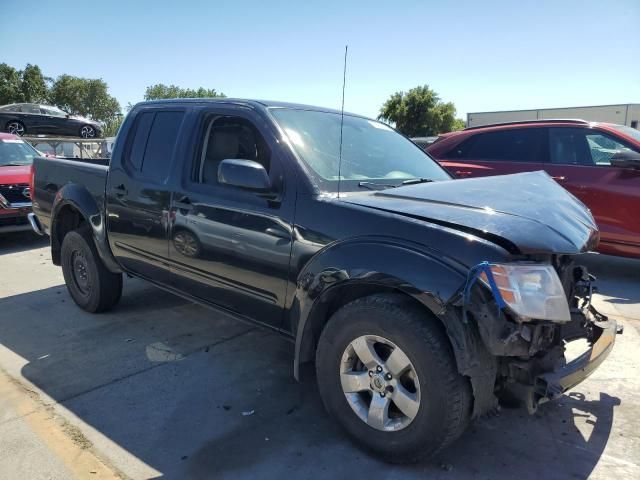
33, 85
458, 124
83, 96
9, 84
112, 126
419, 112
160, 91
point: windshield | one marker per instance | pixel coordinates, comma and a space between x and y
632, 132
16, 152
372, 152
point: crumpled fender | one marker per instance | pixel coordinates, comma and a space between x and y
424, 275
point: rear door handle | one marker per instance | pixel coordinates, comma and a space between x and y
462, 173
120, 190
559, 178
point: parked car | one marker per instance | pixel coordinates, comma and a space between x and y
424, 142
16, 157
418, 297
599, 163
33, 119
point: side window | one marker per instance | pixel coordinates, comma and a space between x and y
30, 108
517, 145
139, 143
228, 137
568, 146
155, 137
54, 112
603, 147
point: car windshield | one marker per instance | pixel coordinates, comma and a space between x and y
16, 152
373, 154
632, 132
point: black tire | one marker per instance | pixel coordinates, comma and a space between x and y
92, 287
16, 128
445, 395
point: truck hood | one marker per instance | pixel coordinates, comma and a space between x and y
15, 174
524, 213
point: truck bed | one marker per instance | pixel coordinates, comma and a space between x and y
54, 174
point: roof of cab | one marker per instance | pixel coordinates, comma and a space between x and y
249, 103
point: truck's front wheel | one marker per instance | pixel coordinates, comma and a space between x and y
386, 372
90, 284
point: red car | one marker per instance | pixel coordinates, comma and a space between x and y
16, 157
597, 162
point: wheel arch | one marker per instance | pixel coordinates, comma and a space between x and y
426, 280
354, 269
75, 206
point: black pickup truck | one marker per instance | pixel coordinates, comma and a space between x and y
422, 300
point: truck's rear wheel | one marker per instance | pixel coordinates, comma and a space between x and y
90, 284
386, 372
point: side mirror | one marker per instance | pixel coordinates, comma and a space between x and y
244, 174
626, 159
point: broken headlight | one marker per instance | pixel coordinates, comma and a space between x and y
531, 291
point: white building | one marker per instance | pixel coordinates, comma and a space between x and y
623, 114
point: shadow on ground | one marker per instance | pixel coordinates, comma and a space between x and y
195, 394
21, 242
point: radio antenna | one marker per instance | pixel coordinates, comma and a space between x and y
344, 81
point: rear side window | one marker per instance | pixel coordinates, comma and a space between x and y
30, 108
518, 145
155, 138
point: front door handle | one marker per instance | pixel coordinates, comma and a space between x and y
559, 178
462, 173
277, 232
184, 203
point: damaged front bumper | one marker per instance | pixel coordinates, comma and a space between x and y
600, 331
550, 385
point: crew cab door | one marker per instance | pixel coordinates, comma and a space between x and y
499, 152
139, 192
580, 160
229, 246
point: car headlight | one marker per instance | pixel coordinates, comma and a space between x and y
531, 291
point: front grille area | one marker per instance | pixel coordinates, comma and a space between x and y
14, 193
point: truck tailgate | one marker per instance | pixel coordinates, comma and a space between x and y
53, 174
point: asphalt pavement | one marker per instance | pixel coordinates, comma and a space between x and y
163, 388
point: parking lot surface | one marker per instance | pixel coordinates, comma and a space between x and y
163, 388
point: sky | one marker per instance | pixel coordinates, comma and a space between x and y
482, 56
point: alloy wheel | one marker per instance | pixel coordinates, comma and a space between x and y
16, 128
380, 383
185, 244
87, 132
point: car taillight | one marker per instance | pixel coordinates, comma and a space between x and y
32, 184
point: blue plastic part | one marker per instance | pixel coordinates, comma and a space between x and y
472, 277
